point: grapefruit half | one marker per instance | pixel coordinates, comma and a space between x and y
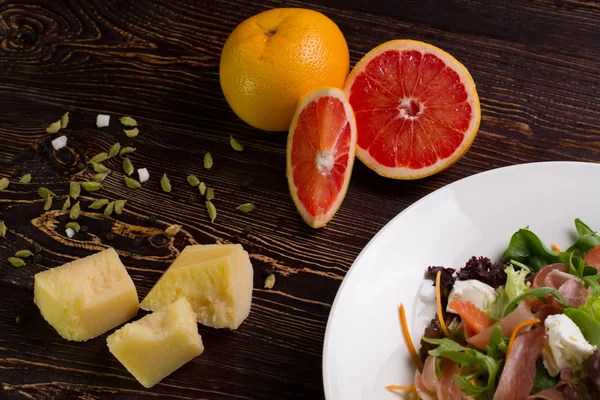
320, 154
416, 107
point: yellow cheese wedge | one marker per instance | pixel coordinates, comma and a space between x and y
158, 344
216, 279
87, 297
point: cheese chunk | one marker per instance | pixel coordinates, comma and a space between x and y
216, 279
87, 297
477, 292
158, 344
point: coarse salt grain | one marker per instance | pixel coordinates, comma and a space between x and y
102, 120
59, 142
144, 174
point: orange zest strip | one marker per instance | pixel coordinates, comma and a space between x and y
407, 338
408, 388
555, 247
438, 299
516, 331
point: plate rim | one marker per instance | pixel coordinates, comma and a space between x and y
327, 336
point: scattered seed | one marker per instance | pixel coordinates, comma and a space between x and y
75, 211
64, 120
98, 167
126, 150
48, 203
99, 177
15, 261
128, 121
2, 229
132, 183
114, 150
4, 182
74, 189
131, 133
25, 178
80, 165
37, 249
66, 204
212, 211
208, 161
246, 208
127, 166
73, 225
23, 254
100, 157
210, 194
119, 205
53, 127
192, 180
172, 230
90, 186
98, 204
165, 184
270, 282
109, 208
152, 219
202, 188
45, 192
70, 232
84, 229
237, 146
110, 236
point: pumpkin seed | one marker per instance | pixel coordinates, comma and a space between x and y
128, 121
64, 120
90, 186
15, 261
73, 225
100, 157
98, 204
192, 180
246, 208
2, 229
208, 161
126, 150
45, 192
172, 230
127, 166
212, 211
75, 211
109, 208
66, 204
114, 150
53, 127
23, 254
4, 182
74, 190
98, 167
131, 133
165, 184
48, 203
99, 177
119, 205
210, 194
237, 146
132, 183
270, 282
25, 178
202, 188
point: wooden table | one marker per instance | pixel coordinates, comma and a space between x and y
537, 68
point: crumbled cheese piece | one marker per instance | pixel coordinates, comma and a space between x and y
59, 142
144, 174
70, 232
102, 120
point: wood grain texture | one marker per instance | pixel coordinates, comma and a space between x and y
536, 65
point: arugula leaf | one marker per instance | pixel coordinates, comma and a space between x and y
495, 340
540, 293
592, 281
543, 380
587, 240
575, 263
525, 247
468, 358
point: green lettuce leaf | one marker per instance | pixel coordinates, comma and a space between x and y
543, 380
515, 287
587, 239
527, 248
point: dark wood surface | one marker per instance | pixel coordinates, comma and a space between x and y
536, 65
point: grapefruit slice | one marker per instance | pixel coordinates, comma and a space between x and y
320, 154
416, 107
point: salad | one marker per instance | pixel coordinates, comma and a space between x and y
527, 327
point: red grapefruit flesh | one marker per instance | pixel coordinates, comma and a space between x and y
416, 107
320, 154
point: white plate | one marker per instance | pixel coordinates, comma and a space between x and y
364, 350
